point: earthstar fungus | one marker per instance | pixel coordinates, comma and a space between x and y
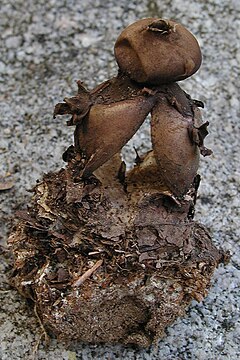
112, 256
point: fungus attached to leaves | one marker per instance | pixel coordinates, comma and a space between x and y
109, 255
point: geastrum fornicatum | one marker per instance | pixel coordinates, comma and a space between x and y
112, 256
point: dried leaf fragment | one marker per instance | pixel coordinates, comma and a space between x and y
6, 183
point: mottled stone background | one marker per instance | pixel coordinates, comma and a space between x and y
45, 47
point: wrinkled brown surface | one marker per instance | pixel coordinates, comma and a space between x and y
149, 259
156, 57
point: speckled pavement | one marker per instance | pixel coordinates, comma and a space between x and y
45, 48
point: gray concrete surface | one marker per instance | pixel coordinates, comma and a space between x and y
45, 47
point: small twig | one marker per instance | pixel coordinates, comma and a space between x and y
36, 347
41, 325
88, 273
33, 355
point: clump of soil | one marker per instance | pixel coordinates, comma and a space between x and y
111, 260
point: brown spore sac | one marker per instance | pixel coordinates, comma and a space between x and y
157, 51
106, 261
